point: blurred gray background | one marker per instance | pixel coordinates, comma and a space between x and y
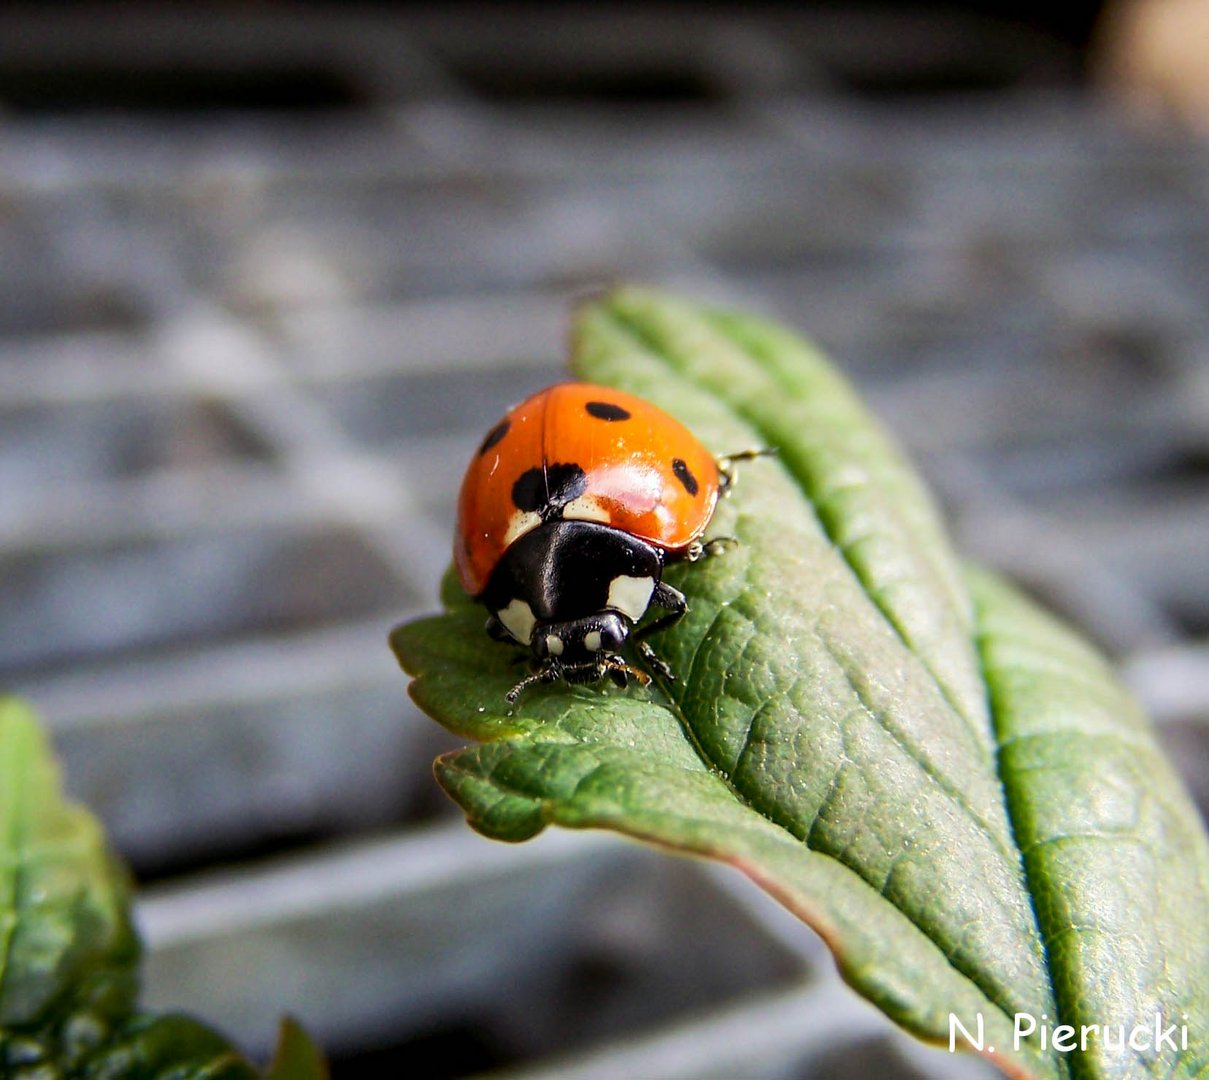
268, 271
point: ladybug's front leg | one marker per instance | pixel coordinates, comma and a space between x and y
621, 672
548, 674
496, 629
674, 600
666, 597
654, 660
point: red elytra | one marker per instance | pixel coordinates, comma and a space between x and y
579, 452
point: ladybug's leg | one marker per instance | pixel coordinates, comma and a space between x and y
498, 632
547, 674
666, 597
726, 465
655, 660
621, 672
672, 599
496, 629
696, 551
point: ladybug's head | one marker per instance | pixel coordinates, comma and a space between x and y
582, 640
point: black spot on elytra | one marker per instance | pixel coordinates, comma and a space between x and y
546, 491
684, 475
604, 410
493, 436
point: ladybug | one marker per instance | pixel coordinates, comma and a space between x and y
570, 509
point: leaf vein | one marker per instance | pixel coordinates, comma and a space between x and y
809, 488
915, 754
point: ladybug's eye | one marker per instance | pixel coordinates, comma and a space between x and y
612, 632
600, 633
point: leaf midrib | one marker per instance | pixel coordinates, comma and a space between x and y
651, 347
1062, 1003
634, 329
637, 333
790, 829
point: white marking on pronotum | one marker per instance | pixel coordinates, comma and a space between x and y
521, 522
518, 620
592, 641
585, 508
554, 644
631, 595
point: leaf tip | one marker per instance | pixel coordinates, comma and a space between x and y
297, 1056
496, 814
399, 641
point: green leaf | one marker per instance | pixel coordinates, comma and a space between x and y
67, 948
167, 1048
179, 1048
297, 1056
68, 951
946, 783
